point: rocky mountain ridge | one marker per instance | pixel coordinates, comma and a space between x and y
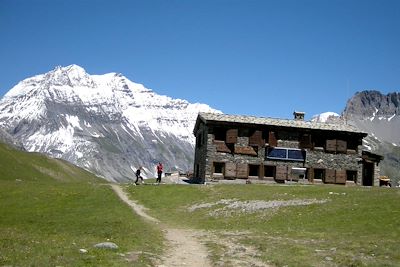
378, 115
367, 104
104, 123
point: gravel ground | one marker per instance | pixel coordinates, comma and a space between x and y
234, 206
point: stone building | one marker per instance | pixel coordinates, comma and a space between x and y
280, 150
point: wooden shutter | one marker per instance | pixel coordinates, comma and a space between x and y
310, 174
242, 170
305, 141
281, 172
341, 146
331, 145
230, 170
256, 139
329, 176
341, 176
272, 139
231, 136
245, 150
221, 146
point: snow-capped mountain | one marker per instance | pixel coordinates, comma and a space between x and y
104, 123
377, 114
326, 117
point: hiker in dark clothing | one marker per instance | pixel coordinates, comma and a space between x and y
138, 176
159, 172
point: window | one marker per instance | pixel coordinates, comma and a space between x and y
319, 174
254, 170
219, 134
318, 140
296, 154
269, 171
351, 175
353, 143
219, 167
286, 154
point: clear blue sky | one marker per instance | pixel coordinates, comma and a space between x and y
254, 57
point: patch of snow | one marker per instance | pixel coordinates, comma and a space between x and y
323, 117
126, 130
368, 147
96, 135
73, 121
390, 118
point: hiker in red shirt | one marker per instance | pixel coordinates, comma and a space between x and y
159, 172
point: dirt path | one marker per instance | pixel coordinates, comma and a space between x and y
184, 248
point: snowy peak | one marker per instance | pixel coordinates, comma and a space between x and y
72, 75
104, 123
326, 117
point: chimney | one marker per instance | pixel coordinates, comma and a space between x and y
298, 115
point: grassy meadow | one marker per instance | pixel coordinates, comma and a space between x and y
50, 210
354, 226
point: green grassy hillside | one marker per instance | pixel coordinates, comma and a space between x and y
49, 210
18, 165
341, 226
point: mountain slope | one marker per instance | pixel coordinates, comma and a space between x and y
104, 123
379, 116
17, 165
376, 113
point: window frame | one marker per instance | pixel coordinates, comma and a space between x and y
286, 158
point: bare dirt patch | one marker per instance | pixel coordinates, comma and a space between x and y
183, 246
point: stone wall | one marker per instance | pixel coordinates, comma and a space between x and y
200, 158
207, 154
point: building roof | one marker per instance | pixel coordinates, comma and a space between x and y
218, 117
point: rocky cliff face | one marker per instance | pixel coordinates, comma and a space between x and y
104, 123
376, 114
367, 104
379, 116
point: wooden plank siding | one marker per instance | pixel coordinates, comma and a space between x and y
341, 177
331, 145
230, 170
242, 170
341, 146
305, 141
245, 150
281, 172
221, 146
256, 139
231, 136
330, 176
272, 141
335, 145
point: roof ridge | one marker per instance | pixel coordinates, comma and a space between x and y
207, 116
